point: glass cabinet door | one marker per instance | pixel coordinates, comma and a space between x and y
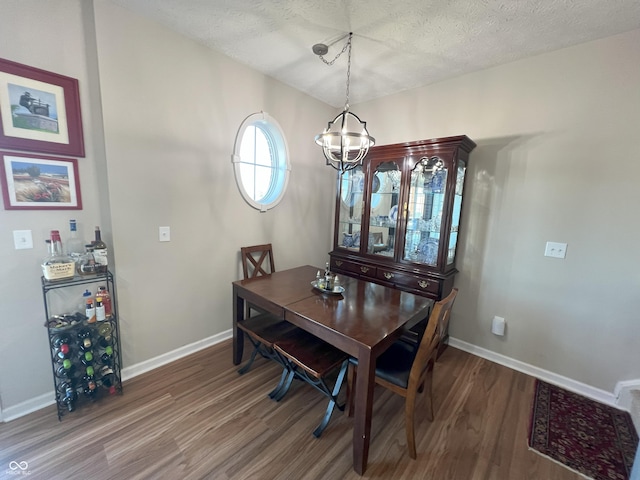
351, 207
427, 193
383, 214
455, 215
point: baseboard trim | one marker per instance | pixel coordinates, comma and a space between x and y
588, 391
623, 392
613, 399
148, 365
46, 399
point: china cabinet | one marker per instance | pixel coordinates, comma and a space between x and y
397, 217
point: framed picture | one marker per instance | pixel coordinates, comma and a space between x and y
39, 111
37, 182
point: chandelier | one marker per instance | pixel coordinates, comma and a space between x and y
345, 142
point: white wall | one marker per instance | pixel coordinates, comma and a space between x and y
160, 114
558, 159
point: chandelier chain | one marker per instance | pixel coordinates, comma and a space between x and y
347, 46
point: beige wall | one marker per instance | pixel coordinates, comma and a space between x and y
558, 159
169, 109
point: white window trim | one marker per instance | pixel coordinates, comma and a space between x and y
268, 123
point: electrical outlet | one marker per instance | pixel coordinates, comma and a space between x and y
164, 234
555, 250
22, 239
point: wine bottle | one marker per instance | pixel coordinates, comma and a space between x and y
57, 266
60, 339
75, 246
67, 370
108, 379
89, 382
84, 337
63, 352
100, 252
86, 357
67, 395
107, 357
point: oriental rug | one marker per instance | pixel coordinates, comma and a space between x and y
591, 438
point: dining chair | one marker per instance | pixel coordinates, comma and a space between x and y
313, 361
265, 328
257, 260
407, 370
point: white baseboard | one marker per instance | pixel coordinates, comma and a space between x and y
623, 391
588, 391
47, 399
148, 365
615, 399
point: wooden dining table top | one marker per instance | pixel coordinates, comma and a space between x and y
363, 321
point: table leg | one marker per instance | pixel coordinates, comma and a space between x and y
365, 381
238, 335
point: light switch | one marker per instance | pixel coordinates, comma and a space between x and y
555, 250
22, 239
164, 234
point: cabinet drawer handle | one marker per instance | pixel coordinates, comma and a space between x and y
364, 269
338, 263
423, 284
388, 275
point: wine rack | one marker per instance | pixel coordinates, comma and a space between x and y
85, 357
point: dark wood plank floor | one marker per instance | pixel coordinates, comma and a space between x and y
197, 418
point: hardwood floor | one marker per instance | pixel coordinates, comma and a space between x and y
198, 419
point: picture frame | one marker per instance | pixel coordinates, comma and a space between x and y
39, 182
39, 111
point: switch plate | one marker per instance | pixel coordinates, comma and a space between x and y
164, 234
22, 239
555, 250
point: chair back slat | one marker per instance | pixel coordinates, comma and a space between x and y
433, 335
257, 260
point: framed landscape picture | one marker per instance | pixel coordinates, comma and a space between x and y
37, 182
39, 111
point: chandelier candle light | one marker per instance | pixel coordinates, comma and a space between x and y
345, 142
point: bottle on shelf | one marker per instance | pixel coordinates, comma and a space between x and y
86, 264
57, 266
75, 246
90, 310
67, 395
100, 310
107, 357
84, 337
86, 357
100, 252
106, 300
108, 379
89, 382
104, 330
67, 370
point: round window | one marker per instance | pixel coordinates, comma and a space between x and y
261, 161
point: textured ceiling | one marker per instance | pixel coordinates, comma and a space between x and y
397, 44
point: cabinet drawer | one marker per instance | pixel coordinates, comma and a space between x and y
355, 268
413, 282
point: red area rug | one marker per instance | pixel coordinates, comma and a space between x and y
591, 438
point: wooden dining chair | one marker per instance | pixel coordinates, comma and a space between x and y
264, 328
407, 371
312, 360
257, 260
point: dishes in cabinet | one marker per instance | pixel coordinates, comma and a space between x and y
393, 214
376, 184
428, 251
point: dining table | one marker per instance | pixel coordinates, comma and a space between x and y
363, 321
